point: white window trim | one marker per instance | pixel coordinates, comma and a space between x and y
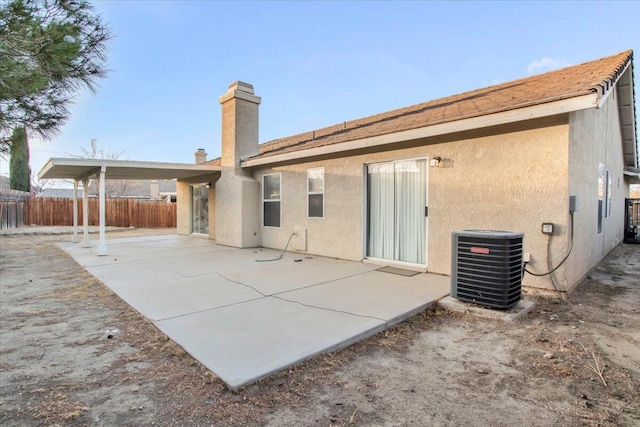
309, 192
601, 214
271, 200
608, 187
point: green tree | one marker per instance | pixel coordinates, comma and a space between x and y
49, 50
19, 171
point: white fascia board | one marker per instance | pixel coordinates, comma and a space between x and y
632, 174
45, 168
526, 113
89, 167
631, 171
61, 161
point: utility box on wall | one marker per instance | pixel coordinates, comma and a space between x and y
486, 267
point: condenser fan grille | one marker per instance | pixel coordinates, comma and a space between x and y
487, 267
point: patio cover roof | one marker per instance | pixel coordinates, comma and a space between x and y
68, 168
83, 169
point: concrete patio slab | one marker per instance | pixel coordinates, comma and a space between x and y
121, 252
130, 250
391, 298
245, 319
133, 275
175, 298
245, 342
270, 278
221, 262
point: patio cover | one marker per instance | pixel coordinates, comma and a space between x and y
77, 169
83, 169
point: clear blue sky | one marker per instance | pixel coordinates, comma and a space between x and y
316, 63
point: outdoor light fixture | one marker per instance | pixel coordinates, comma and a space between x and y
435, 162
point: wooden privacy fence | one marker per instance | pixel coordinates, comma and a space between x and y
632, 221
12, 208
118, 212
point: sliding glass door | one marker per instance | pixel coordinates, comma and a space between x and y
199, 209
396, 208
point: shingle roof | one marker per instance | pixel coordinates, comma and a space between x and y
590, 77
595, 76
58, 192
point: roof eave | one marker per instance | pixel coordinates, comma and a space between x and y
627, 114
563, 106
84, 168
608, 86
632, 174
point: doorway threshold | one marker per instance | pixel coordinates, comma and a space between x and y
420, 268
200, 235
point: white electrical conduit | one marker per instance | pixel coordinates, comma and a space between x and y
548, 257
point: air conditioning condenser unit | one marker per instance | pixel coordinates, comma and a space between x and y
486, 267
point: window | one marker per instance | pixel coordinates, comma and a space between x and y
607, 211
271, 200
601, 196
315, 193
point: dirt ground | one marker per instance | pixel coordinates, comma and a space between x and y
72, 353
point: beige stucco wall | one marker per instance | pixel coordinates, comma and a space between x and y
515, 181
183, 200
339, 234
237, 210
506, 178
594, 138
183, 208
240, 120
512, 180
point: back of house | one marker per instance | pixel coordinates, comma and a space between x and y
556, 148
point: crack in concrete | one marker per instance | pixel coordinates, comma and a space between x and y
303, 304
263, 295
206, 309
243, 284
330, 309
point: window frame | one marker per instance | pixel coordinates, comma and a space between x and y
279, 200
315, 193
608, 188
601, 197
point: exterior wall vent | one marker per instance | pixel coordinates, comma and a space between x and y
486, 267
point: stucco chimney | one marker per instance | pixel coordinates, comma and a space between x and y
200, 156
239, 124
154, 189
237, 193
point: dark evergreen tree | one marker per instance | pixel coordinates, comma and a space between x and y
49, 50
19, 171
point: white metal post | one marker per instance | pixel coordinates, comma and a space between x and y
102, 248
75, 238
85, 213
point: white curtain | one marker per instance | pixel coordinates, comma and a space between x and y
200, 209
410, 201
396, 202
381, 211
